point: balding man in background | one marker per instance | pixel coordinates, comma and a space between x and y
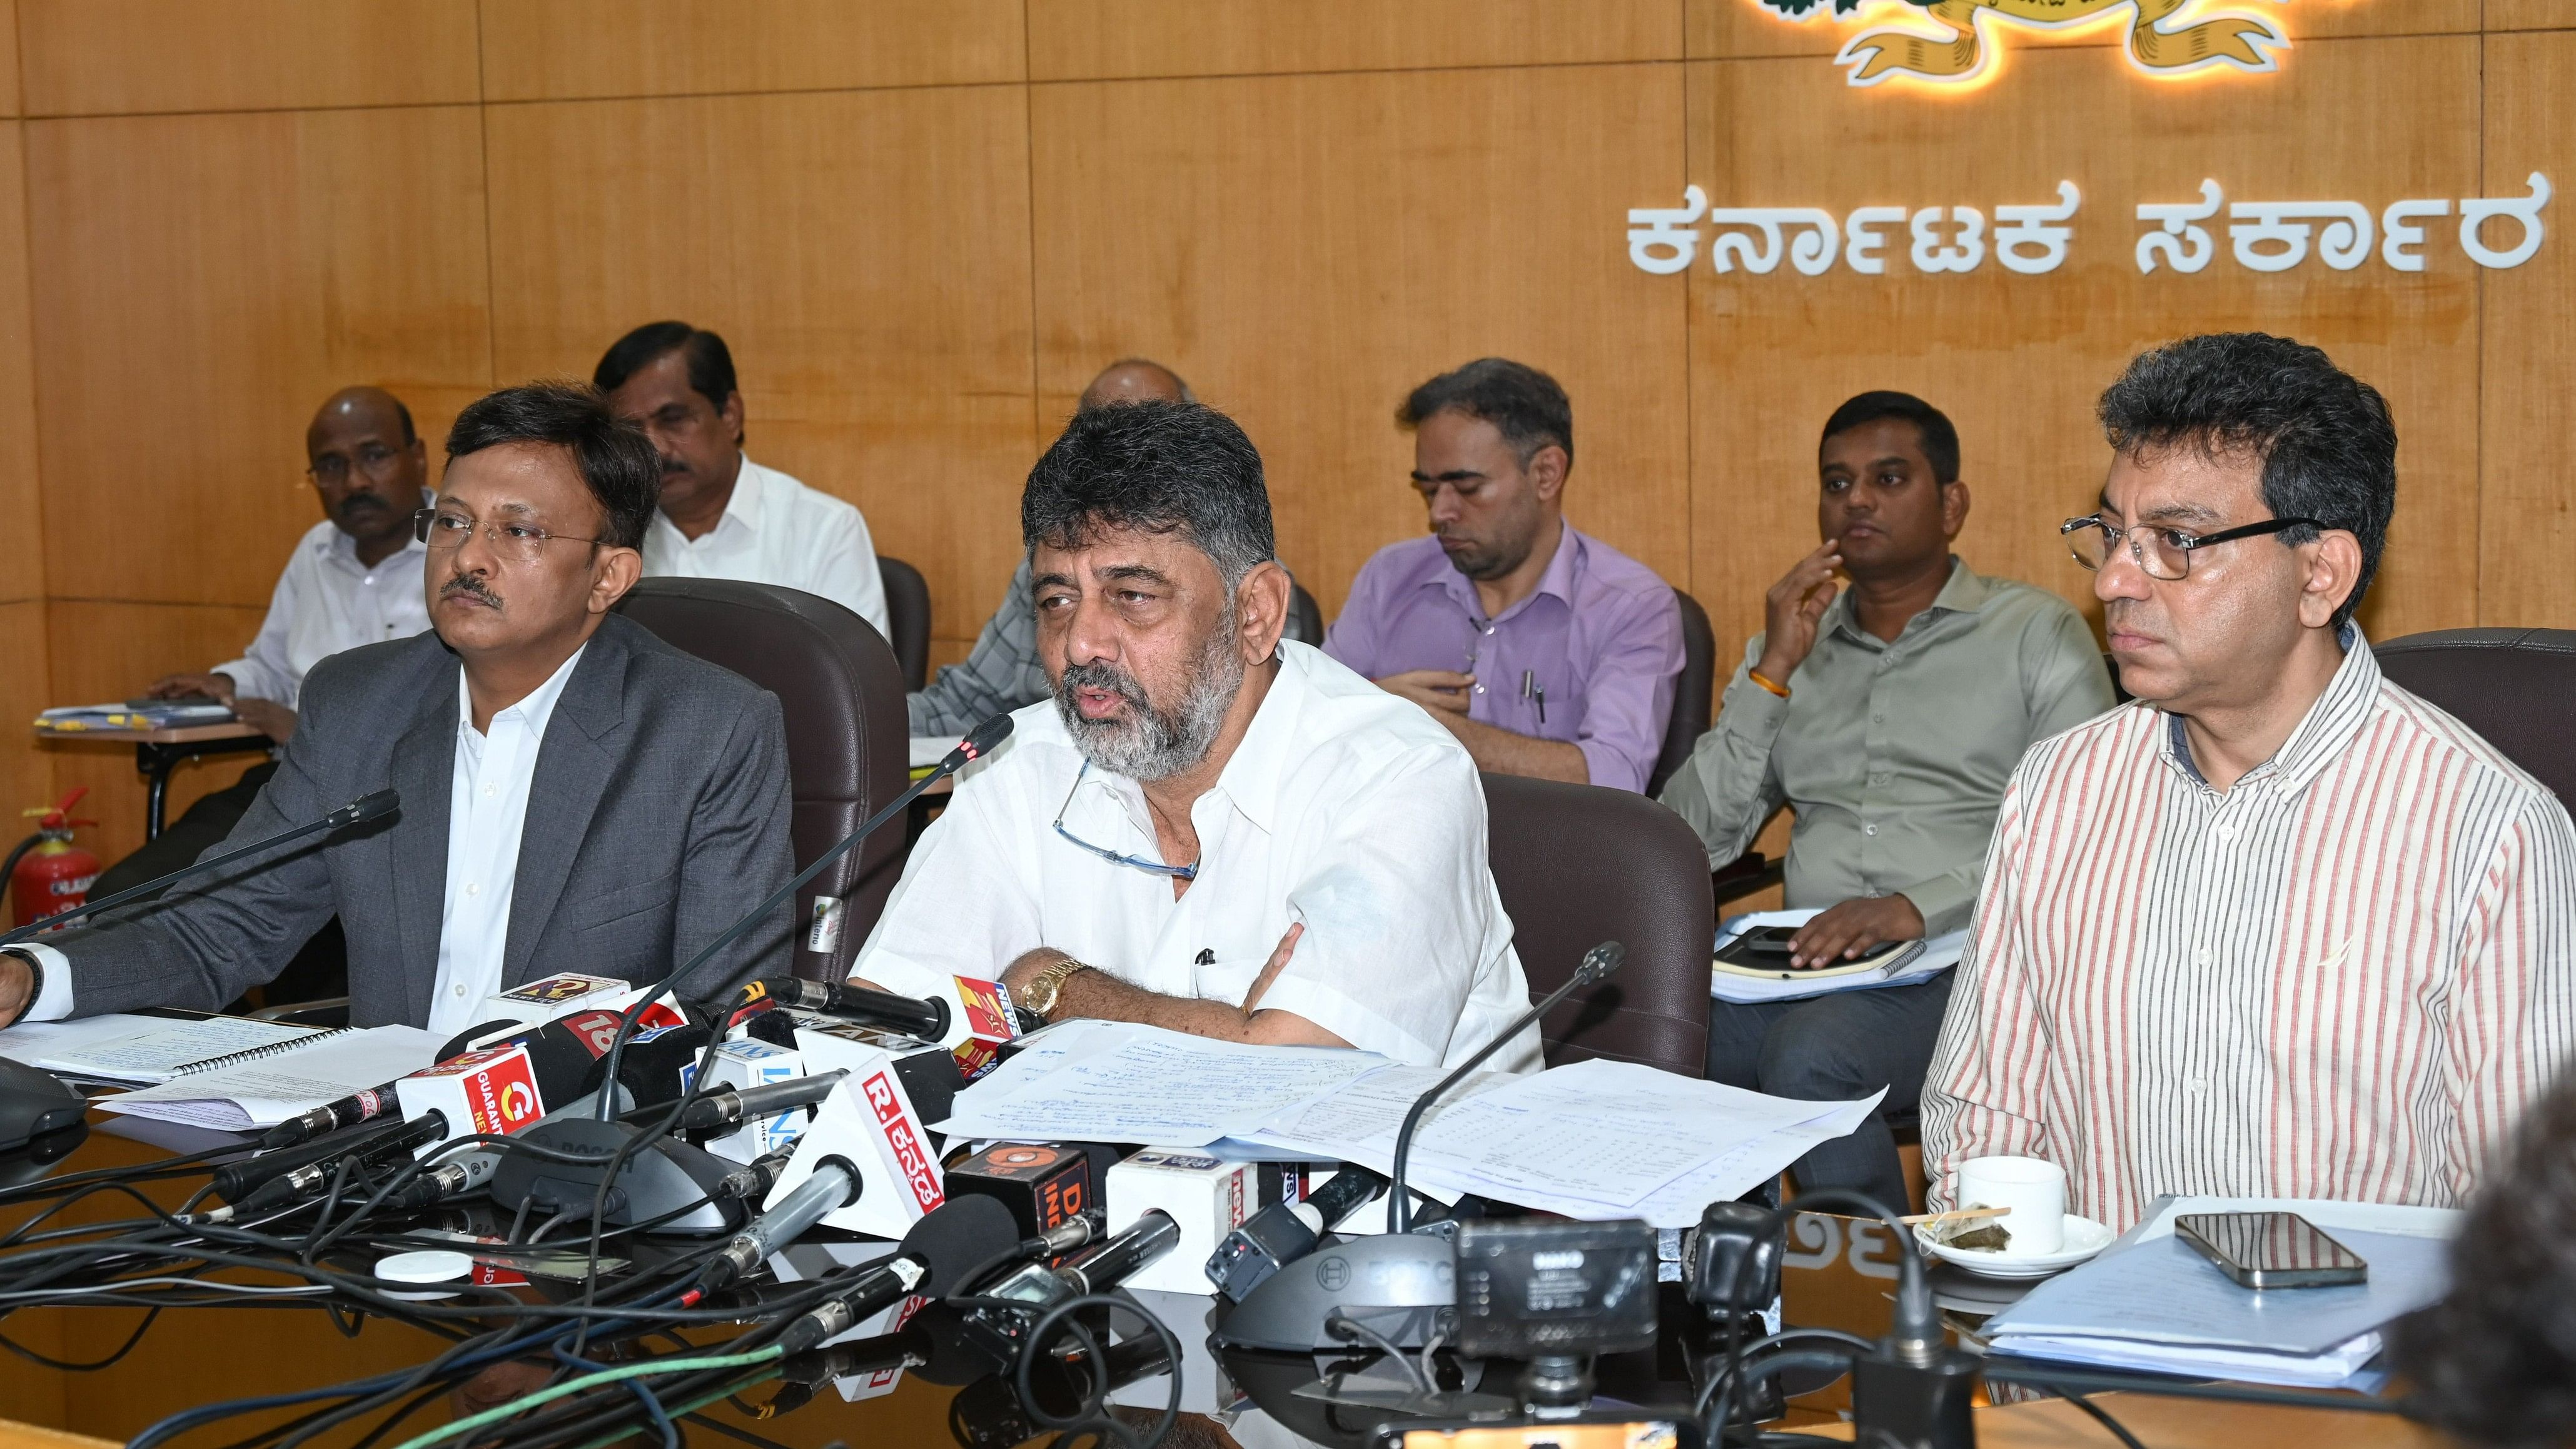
1003, 673
722, 515
353, 579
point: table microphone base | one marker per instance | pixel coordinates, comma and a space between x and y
658, 1180
1403, 1285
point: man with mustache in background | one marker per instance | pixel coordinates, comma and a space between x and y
724, 516
1207, 828
575, 794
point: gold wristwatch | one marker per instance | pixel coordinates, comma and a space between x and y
1039, 995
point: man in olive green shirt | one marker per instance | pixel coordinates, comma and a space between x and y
1888, 716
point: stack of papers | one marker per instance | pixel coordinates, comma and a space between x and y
1595, 1140
263, 1093
142, 1049
157, 715
1939, 954
2151, 1303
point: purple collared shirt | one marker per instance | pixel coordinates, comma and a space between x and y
1589, 657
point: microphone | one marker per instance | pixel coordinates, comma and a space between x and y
235, 1179
312, 1176
358, 811
835, 1183
349, 1111
926, 1019
732, 1105
949, 1241
1597, 964
1038, 1287
559, 1055
984, 738
1284, 1232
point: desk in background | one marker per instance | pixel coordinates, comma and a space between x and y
158, 752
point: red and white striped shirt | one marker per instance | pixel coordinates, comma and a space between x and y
2344, 978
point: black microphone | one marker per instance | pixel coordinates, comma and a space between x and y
984, 738
735, 1104
1596, 965
951, 1239
313, 1176
1038, 1287
654, 1070
349, 1111
1284, 1232
910, 1015
364, 808
559, 1057
234, 1179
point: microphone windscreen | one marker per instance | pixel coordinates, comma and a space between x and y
562, 1065
651, 1067
984, 737
952, 1238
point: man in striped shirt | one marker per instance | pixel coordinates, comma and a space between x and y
2280, 927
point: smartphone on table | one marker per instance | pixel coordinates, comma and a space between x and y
2272, 1250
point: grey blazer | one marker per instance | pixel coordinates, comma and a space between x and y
658, 815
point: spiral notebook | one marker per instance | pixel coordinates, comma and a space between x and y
181, 1048
263, 1086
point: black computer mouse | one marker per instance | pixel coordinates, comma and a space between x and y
33, 1102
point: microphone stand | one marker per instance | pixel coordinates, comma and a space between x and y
1597, 964
364, 808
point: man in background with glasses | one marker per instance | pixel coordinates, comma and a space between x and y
2280, 928
353, 579
598, 798
1206, 828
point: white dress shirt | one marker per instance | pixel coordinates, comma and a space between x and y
486, 806
1345, 808
327, 601
776, 530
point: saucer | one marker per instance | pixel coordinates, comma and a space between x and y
2083, 1238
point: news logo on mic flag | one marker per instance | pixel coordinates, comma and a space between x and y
869, 1121
488, 1093
985, 1015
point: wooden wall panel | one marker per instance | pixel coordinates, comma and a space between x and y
21, 512
1307, 249
2527, 506
123, 57
1103, 39
866, 256
2018, 360
568, 49
2531, 14
10, 103
1732, 29
204, 282
104, 650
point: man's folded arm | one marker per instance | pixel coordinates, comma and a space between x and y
1729, 787
206, 941
739, 851
2513, 1013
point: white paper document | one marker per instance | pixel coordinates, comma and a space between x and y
158, 1051
33, 1041
1147, 1085
267, 1092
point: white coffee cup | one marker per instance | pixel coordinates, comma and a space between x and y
2034, 1189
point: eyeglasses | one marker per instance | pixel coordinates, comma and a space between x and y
332, 470
517, 542
1176, 872
2164, 553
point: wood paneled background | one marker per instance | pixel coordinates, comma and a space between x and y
923, 227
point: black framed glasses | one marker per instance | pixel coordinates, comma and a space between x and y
520, 542
2164, 553
1176, 872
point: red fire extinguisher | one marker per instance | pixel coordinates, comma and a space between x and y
47, 873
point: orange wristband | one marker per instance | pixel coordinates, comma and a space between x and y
1758, 677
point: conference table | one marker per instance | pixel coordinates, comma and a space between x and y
194, 1356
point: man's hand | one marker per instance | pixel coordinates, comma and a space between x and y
266, 716
1848, 931
1791, 610
1442, 691
180, 686
17, 987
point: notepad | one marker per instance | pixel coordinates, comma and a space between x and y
265, 1086
162, 1052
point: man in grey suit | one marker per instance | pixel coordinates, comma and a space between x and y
576, 795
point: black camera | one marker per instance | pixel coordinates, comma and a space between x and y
1540, 1290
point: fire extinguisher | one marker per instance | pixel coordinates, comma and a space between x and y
47, 873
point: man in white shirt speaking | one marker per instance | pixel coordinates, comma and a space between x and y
724, 516
1206, 828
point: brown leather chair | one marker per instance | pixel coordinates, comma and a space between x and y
843, 697
1578, 865
1693, 694
907, 596
1305, 617
2516, 687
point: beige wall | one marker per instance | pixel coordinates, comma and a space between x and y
923, 226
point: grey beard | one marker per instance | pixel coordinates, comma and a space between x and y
1153, 744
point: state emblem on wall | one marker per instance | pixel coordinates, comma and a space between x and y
1956, 42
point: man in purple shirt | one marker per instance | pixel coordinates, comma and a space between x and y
1546, 652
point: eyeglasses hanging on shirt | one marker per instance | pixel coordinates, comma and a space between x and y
1176, 872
